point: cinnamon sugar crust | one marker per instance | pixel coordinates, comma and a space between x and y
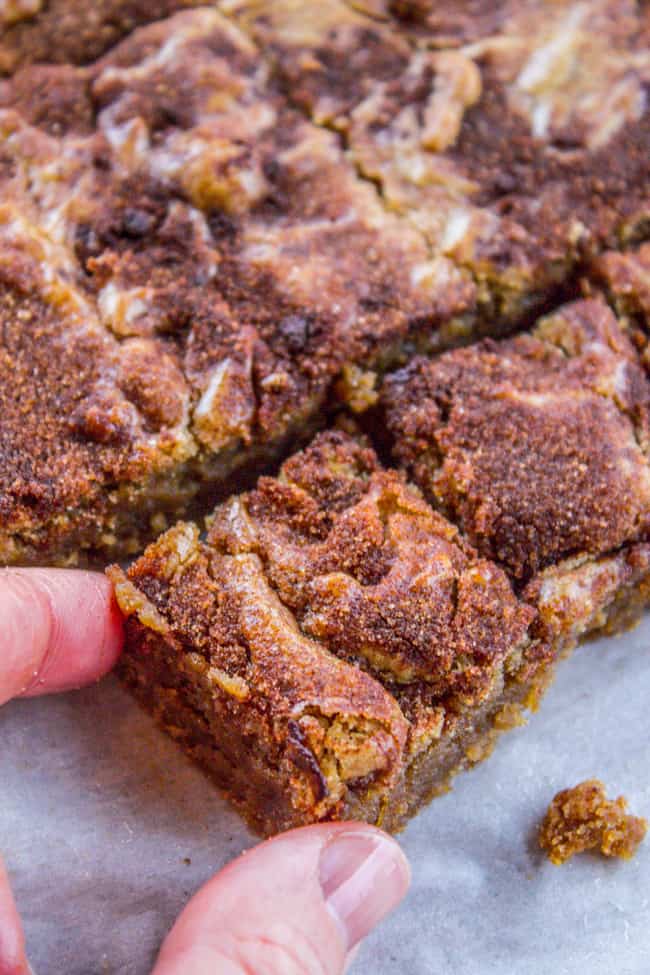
370, 570
514, 136
69, 428
186, 184
230, 636
209, 224
535, 447
70, 31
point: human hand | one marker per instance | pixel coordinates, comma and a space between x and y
295, 905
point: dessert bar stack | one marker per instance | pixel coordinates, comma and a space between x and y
418, 228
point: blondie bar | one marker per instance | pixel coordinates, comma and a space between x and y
538, 449
250, 204
332, 649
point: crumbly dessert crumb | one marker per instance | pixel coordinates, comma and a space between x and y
583, 818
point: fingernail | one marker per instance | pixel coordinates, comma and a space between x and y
363, 875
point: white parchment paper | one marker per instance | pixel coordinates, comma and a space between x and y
107, 830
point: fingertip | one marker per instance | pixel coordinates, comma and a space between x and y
63, 630
111, 643
364, 875
87, 633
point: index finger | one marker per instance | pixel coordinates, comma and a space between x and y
12, 941
61, 628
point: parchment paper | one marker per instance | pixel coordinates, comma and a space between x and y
107, 830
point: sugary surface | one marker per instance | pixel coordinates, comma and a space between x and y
371, 571
207, 228
536, 447
70, 422
514, 135
252, 200
342, 644
71, 31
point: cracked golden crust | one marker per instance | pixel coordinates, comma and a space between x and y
536, 447
573, 73
335, 648
372, 572
235, 253
324, 725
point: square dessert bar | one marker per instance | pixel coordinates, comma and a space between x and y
537, 448
336, 648
332, 649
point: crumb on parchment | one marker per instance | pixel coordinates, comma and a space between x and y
583, 818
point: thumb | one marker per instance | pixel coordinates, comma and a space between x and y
295, 905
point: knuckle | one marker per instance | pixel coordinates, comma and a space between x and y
283, 949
